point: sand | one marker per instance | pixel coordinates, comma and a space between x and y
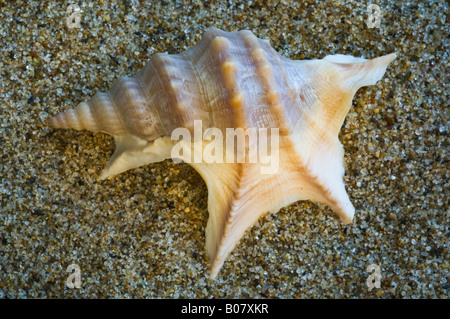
141, 234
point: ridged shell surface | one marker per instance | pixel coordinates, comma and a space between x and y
230, 79
235, 80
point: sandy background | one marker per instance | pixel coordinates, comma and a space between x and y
141, 235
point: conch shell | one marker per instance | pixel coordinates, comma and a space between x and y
235, 80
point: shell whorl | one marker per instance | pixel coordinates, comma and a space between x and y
126, 108
227, 80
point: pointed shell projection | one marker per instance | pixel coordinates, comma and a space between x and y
235, 80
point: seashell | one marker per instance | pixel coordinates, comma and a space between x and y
235, 80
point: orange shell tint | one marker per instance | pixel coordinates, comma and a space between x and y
232, 80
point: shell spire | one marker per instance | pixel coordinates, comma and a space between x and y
124, 109
86, 116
